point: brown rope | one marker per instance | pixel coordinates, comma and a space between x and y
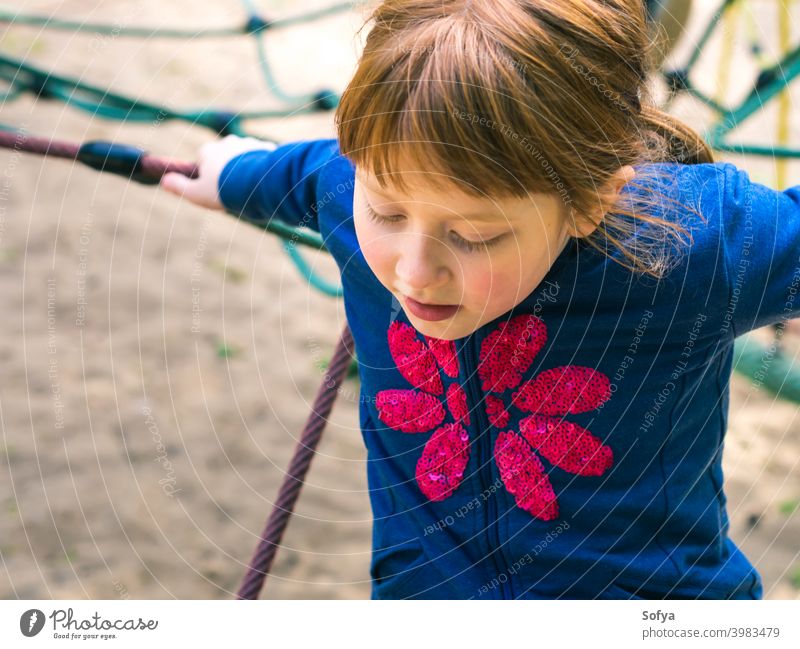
262, 559
104, 156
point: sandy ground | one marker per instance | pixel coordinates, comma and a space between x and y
159, 360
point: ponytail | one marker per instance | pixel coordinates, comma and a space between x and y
674, 141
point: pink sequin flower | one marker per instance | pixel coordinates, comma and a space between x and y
505, 356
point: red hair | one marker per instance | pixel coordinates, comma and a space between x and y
515, 96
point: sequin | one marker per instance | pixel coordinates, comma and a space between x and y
409, 411
571, 389
441, 467
567, 445
457, 402
413, 358
508, 351
524, 477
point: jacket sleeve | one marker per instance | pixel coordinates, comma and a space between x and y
283, 183
761, 232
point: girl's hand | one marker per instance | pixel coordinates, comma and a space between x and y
204, 190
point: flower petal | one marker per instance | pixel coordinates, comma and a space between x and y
457, 402
509, 350
524, 476
496, 411
445, 353
413, 359
567, 445
409, 411
441, 467
571, 389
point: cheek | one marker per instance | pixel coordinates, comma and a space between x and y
375, 247
492, 288
508, 285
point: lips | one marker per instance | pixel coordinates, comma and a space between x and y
431, 312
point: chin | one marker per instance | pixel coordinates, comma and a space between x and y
443, 329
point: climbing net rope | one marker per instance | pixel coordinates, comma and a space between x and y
23, 77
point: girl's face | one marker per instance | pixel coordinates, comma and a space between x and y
479, 256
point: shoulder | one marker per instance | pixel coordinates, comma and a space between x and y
679, 211
333, 161
691, 183
307, 158
698, 197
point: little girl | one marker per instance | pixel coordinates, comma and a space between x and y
544, 276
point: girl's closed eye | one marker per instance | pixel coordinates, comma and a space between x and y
466, 244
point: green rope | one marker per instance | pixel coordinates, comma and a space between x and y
772, 82
100, 102
255, 25
269, 78
112, 105
767, 366
293, 236
9, 16
306, 270
290, 233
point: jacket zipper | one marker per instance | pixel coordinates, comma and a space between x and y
485, 451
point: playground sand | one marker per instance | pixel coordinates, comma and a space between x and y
159, 360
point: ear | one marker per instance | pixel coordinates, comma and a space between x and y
580, 225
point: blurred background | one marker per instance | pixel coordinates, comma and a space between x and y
159, 360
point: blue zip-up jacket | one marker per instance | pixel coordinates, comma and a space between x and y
572, 447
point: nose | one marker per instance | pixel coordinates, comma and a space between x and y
421, 263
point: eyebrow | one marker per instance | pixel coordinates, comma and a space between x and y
472, 216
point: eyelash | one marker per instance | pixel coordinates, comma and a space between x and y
469, 246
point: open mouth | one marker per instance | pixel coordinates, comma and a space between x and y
431, 312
